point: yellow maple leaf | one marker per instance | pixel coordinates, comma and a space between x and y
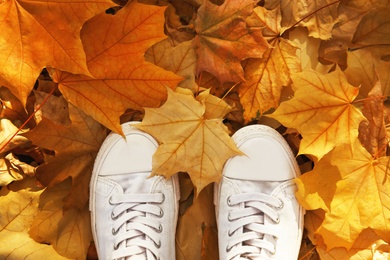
322, 111
115, 46
367, 246
190, 142
355, 199
38, 34
19, 202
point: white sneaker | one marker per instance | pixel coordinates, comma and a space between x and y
133, 216
257, 213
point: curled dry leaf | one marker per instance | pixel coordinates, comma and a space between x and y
55, 108
196, 227
11, 169
190, 141
29, 30
6, 135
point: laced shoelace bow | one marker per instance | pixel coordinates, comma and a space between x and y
135, 232
249, 243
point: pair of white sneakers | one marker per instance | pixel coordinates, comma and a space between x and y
258, 216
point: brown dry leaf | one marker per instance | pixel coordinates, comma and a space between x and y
38, 34
318, 16
179, 59
266, 78
115, 47
322, 111
190, 142
19, 202
373, 30
75, 146
269, 21
11, 107
55, 108
372, 133
224, 40
383, 70
7, 131
197, 226
11, 169
361, 71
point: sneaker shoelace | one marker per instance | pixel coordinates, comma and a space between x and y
250, 243
136, 227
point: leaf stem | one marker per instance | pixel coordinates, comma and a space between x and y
28, 119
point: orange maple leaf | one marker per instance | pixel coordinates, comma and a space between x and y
223, 39
38, 34
115, 47
191, 140
322, 111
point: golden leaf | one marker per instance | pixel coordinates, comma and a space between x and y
190, 142
322, 111
19, 202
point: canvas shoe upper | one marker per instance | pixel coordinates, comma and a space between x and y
133, 216
257, 213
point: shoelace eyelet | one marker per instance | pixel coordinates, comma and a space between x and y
113, 217
116, 246
229, 202
161, 213
114, 232
277, 220
281, 205
229, 218
230, 233
158, 245
160, 229
228, 249
110, 201
273, 252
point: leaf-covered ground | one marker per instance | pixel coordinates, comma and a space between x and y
194, 72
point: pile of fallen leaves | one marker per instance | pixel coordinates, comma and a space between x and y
195, 72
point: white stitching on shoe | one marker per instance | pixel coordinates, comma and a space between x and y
136, 229
250, 241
